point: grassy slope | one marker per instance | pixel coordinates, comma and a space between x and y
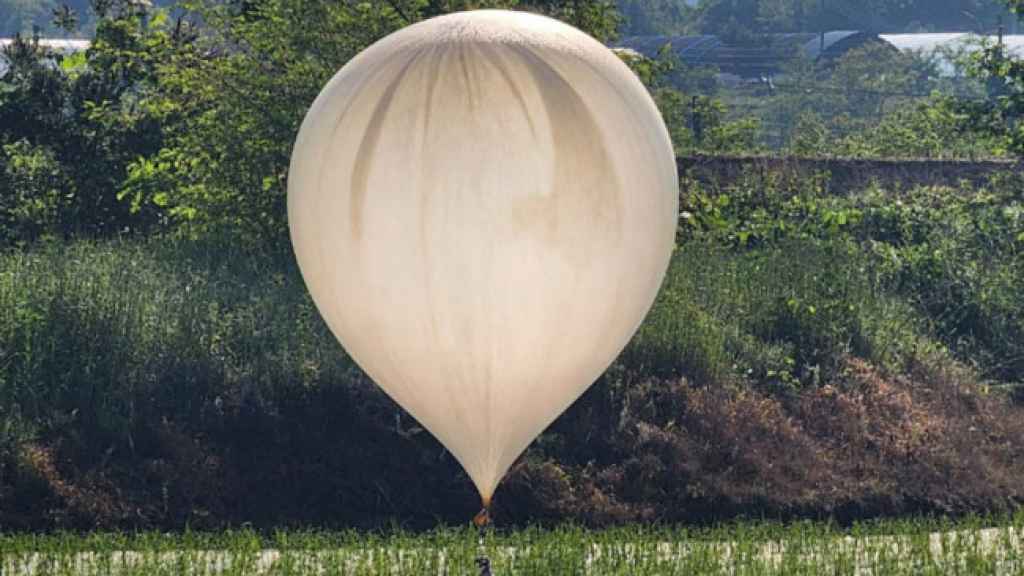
808, 355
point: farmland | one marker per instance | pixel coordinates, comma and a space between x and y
830, 381
919, 546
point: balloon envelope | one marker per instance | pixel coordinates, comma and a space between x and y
483, 206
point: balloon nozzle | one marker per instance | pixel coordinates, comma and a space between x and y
482, 520
483, 517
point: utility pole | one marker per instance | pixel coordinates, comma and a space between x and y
821, 22
696, 127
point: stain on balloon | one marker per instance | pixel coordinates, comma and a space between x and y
433, 75
498, 61
579, 148
324, 161
368, 149
466, 79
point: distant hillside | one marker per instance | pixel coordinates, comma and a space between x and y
28, 16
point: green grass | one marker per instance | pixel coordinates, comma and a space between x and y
772, 288
89, 329
196, 382
917, 546
104, 335
776, 318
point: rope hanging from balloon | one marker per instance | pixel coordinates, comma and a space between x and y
482, 520
543, 220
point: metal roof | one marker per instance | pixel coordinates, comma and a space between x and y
749, 60
689, 49
62, 45
833, 41
59, 44
942, 45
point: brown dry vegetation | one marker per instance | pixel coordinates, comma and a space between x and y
864, 445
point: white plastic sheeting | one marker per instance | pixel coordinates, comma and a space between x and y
61, 45
483, 206
945, 45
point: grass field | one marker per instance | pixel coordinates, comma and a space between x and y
919, 546
809, 355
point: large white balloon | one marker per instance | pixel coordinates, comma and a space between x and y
483, 206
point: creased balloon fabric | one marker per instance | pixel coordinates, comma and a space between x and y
483, 206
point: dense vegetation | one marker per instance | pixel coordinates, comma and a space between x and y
161, 364
738, 18
184, 119
745, 20
809, 354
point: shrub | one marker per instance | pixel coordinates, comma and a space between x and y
928, 264
799, 341
33, 193
70, 126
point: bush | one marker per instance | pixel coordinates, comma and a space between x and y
932, 264
195, 379
34, 189
799, 341
163, 382
70, 127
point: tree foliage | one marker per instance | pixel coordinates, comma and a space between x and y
654, 17
1001, 114
239, 93
874, 102
746, 18
71, 125
191, 118
187, 118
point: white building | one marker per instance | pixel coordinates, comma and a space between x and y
61, 45
946, 46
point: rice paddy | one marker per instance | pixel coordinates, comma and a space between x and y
896, 547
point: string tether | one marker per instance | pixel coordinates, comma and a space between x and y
482, 520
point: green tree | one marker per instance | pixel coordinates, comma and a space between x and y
655, 17
235, 98
71, 125
1001, 114
24, 16
848, 96
746, 19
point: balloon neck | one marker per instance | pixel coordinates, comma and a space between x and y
483, 517
482, 520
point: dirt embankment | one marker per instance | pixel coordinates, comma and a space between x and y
864, 446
